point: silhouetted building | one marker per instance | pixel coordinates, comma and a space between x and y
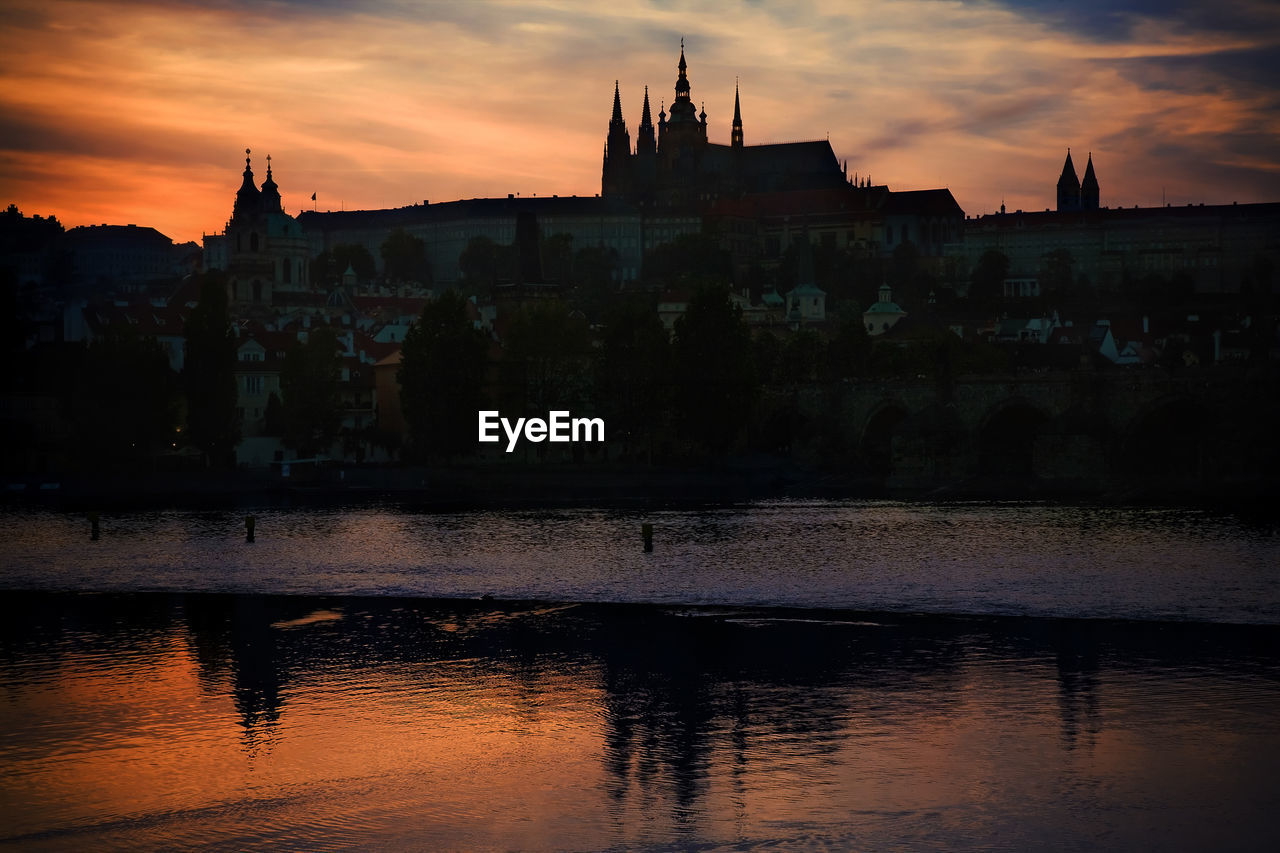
1218, 247
1074, 194
263, 249
29, 247
686, 170
119, 257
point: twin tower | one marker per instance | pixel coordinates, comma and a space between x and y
1074, 194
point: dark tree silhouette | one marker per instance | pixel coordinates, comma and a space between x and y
441, 375
986, 282
123, 401
330, 265
714, 369
404, 258
546, 351
691, 260
312, 404
632, 374
208, 374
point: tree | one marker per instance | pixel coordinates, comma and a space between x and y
441, 375
208, 374
547, 349
986, 282
123, 401
557, 258
691, 260
330, 265
483, 263
847, 353
594, 289
714, 367
312, 405
404, 258
631, 382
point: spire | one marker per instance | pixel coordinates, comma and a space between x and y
617, 150
682, 107
1089, 194
1068, 186
270, 192
645, 142
247, 197
735, 135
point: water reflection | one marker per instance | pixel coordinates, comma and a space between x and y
257, 721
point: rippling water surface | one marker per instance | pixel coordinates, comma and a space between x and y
1129, 563
781, 675
160, 721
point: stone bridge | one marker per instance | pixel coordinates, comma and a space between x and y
1085, 429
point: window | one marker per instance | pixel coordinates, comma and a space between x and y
253, 384
253, 242
888, 234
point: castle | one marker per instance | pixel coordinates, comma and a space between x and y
679, 168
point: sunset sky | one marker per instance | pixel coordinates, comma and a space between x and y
140, 112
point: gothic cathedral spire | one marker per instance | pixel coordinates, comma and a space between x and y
1068, 186
617, 150
735, 136
1089, 194
646, 144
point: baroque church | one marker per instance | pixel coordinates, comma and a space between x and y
263, 249
677, 167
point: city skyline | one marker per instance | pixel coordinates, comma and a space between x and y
140, 113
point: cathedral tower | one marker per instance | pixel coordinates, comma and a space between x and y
1089, 195
735, 135
617, 151
1068, 186
683, 137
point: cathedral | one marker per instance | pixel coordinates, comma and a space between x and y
677, 167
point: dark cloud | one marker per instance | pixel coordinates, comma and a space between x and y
1116, 20
55, 134
1256, 69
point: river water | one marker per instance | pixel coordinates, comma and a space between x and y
837, 675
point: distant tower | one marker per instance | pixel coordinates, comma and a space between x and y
735, 136
265, 249
1068, 186
1089, 195
617, 151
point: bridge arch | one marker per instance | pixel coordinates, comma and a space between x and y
1006, 437
875, 444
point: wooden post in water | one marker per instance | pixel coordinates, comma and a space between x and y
646, 531
249, 522
93, 527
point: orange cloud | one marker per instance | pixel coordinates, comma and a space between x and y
127, 112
